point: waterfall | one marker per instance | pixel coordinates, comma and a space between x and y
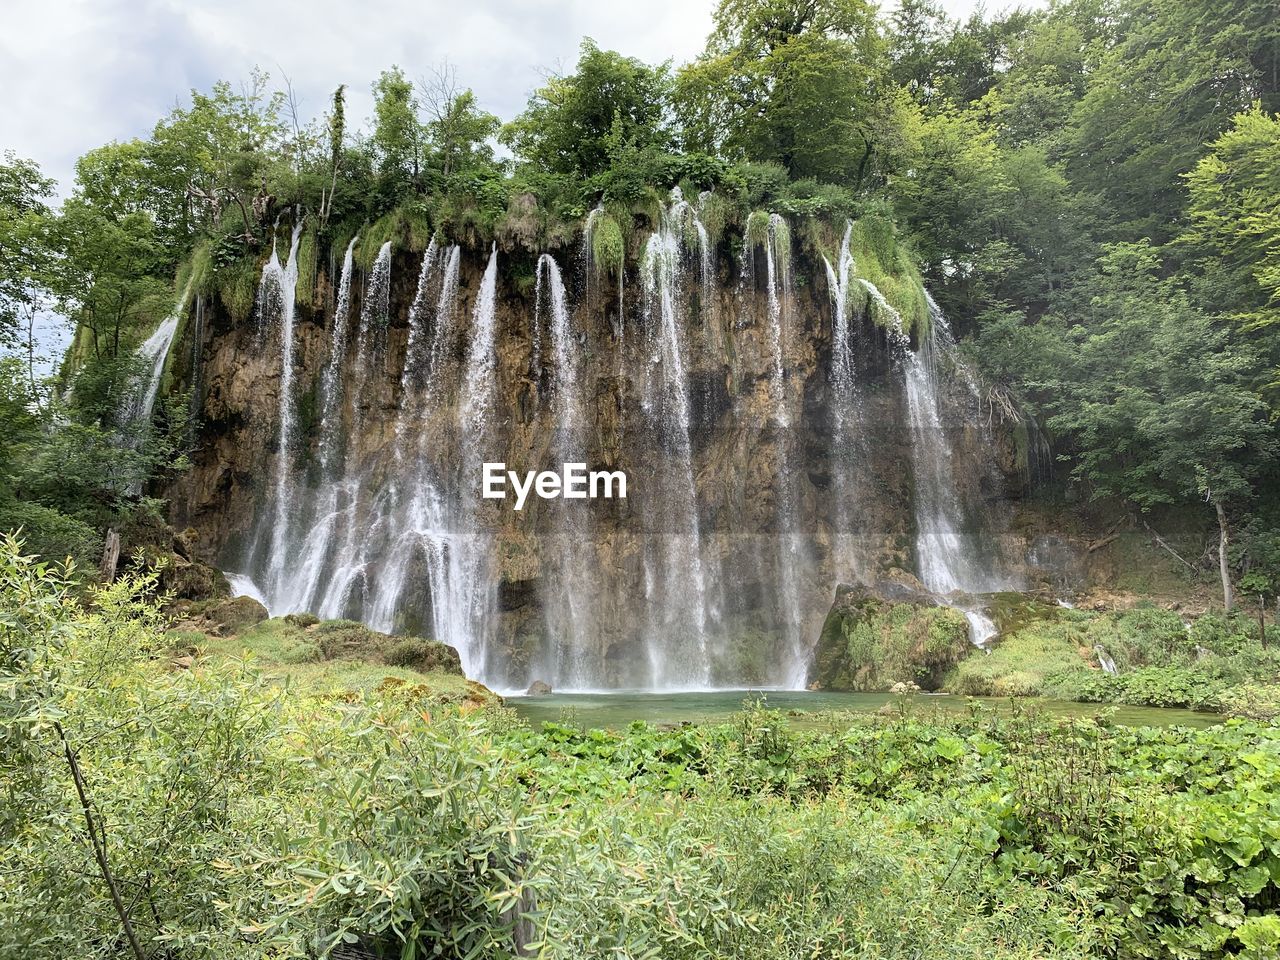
277, 292
153, 352
331, 379
848, 441
948, 556
418, 348
793, 562
570, 615
463, 588
139, 403
480, 385
1104, 660
347, 585
294, 580
374, 316
376, 514
426, 524
376, 524
678, 602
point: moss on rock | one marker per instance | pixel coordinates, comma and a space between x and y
870, 643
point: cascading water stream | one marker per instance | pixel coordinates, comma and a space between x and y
948, 557
293, 582
848, 446
791, 549
138, 406
570, 615
427, 528
679, 605
277, 293
347, 583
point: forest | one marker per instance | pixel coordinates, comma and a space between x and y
1089, 191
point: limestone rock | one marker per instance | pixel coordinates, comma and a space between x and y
874, 642
235, 615
538, 689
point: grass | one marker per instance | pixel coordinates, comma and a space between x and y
1020, 664
336, 657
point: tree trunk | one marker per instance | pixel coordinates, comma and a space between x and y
1223, 566
110, 556
1262, 620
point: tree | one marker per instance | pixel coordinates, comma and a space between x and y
1180, 71
1157, 399
109, 271
216, 153
1235, 218
459, 131
792, 82
397, 133
574, 124
26, 253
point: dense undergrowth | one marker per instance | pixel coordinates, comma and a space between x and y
240, 817
1213, 662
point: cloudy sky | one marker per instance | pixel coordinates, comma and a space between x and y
79, 73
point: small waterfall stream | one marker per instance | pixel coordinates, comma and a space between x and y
848, 447
949, 558
793, 562
571, 617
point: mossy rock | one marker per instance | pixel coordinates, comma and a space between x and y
193, 580
424, 656
235, 615
870, 643
349, 639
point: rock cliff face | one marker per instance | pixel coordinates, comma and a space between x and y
756, 482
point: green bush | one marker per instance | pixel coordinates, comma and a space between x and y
50, 534
607, 248
1020, 664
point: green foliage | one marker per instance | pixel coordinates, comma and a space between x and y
1124, 142
237, 285
578, 125
26, 248
1162, 394
397, 133
1235, 220
757, 229
50, 533
385, 823
789, 83
1022, 662
869, 644
608, 251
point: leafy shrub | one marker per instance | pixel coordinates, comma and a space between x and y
1021, 663
51, 534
